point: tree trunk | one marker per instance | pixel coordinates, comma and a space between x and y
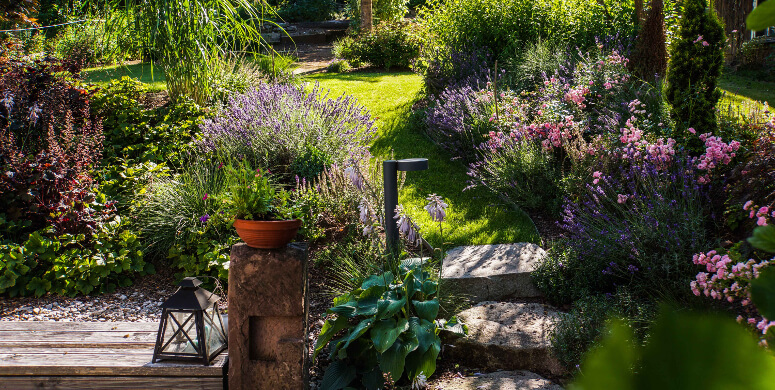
640, 16
366, 20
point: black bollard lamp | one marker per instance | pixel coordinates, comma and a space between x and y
191, 327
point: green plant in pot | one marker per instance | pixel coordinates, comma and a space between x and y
264, 215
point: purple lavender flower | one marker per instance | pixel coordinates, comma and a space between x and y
204, 218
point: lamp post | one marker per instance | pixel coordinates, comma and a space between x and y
390, 170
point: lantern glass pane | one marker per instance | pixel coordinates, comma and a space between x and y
180, 343
214, 332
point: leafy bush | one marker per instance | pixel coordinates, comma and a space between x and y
526, 68
383, 11
452, 68
389, 45
450, 26
91, 43
70, 264
339, 66
695, 65
584, 325
307, 10
395, 331
134, 134
274, 125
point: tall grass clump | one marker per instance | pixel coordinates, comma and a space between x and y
188, 39
284, 126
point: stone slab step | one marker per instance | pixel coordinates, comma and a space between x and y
507, 336
492, 272
500, 380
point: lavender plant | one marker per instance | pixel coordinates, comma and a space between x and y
274, 125
634, 227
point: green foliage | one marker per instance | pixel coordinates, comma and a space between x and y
251, 196
525, 175
383, 11
307, 10
188, 39
135, 134
339, 66
90, 44
70, 265
388, 325
582, 327
498, 25
203, 253
695, 65
685, 351
525, 67
761, 17
389, 45
311, 163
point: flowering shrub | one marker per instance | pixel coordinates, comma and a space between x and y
633, 229
728, 276
273, 125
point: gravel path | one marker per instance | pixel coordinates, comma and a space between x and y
139, 302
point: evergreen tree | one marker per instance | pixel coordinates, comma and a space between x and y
695, 65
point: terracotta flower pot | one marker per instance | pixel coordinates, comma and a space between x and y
267, 234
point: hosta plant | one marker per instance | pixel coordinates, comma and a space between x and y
387, 329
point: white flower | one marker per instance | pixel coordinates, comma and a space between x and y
419, 382
355, 178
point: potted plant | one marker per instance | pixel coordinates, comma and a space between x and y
262, 212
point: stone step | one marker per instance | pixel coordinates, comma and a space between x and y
500, 380
507, 336
492, 272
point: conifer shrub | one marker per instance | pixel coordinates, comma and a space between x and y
695, 66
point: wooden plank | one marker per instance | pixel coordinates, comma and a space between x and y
108, 383
108, 353
118, 364
26, 326
77, 344
76, 337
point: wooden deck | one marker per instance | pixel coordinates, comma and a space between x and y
94, 355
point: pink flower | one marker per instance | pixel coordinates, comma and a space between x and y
706, 44
205, 197
691, 130
761, 221
747, 205
622, 198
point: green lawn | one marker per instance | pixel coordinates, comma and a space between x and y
154, 77
474, 216
748, 86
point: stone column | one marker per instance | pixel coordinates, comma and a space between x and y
268, 318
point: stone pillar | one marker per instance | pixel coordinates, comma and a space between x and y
268, 318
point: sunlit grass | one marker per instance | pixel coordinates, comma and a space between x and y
153, 76
475, 216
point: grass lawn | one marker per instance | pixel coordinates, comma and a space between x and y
748, 86
153, 77
474, 216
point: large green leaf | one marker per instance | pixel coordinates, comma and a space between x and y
763, 292
425, 332
410, 285
429, 287
385, 332
358, 331
383, 280
390, 305
338, 375
761, 17
367, 302
346, 310
394, 358
330, 329
427, 310
764, 237
423, 362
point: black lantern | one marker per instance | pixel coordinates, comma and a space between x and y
191, 327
